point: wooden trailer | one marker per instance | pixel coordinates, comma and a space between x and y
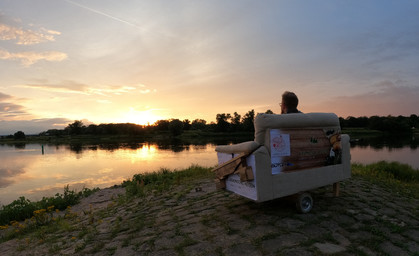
290, 155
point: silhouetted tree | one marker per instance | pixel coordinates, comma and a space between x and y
186, 125
248, 120
176, 127
375, 122
19, 135
162, 125
198, 124
75, 128
235, 122
414, 121
222, 122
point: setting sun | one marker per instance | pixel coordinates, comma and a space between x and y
145, 117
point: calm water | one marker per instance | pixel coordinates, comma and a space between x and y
26, 171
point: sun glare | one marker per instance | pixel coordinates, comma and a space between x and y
141, 117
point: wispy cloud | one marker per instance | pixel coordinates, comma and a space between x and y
10, 110
29, 58
26, 36
75, 87
4, 96
65, 87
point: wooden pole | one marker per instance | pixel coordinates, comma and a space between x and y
336, 189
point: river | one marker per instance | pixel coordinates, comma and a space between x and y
35, 170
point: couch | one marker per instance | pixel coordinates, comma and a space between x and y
290, 154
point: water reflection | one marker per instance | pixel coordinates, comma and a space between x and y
174, 145
8, 174
388, 141
25, 171
146, 152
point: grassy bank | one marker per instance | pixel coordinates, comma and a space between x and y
139, 185
23, 216
398, 177
23, 208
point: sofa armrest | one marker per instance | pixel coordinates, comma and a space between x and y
245, 147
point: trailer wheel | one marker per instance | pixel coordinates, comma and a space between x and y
304, 203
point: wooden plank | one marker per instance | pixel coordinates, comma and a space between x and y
228, 167
308, 148
235, 165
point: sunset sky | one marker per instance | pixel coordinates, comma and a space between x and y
104, 61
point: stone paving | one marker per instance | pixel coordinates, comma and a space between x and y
197, 219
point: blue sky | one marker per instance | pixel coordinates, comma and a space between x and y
104, 61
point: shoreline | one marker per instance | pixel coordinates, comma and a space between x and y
366, 219
393, 174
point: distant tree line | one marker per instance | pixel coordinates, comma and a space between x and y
225, 122
382, 123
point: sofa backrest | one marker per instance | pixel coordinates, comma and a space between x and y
306, 139
263, 122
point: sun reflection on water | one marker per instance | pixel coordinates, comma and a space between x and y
146, 152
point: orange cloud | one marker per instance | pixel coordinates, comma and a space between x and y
29, 58
26, 37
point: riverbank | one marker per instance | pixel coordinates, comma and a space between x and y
191, 137
191, 217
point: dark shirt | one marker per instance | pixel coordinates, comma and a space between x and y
290, 111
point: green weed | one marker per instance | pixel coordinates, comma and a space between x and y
23, 208
162, 180
396, 176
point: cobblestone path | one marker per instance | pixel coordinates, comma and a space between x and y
197, 219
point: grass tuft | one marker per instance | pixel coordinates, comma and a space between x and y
397, 176
142, 184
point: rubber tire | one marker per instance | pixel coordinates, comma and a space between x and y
304, 203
